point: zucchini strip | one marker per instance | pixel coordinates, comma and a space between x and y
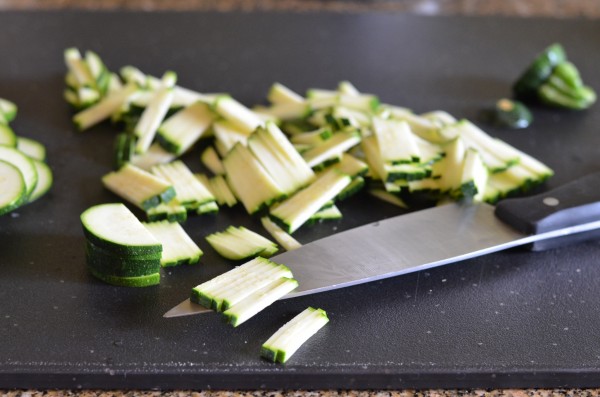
288, 339
139, 187
153, 115
103, 109
178, 247
259, 300
296, 210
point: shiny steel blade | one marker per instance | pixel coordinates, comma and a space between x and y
400, 245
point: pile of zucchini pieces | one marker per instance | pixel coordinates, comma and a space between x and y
289, 161
24, 174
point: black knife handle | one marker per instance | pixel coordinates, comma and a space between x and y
572, 204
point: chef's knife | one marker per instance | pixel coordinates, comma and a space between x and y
438, 236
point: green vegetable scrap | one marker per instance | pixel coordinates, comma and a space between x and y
554, 81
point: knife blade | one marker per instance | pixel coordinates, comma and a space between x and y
438, 236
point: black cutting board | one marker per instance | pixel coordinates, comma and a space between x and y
511, 319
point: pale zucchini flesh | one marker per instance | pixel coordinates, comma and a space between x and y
288, 339
12, 187
259, 300
24, 164
178, 247
296, 210
139, 187
115, 228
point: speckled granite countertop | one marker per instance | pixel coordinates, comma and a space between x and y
531, 8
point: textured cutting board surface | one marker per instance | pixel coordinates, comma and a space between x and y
510, 319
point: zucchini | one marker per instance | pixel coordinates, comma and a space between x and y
141, 281
12, 187
203, 294
44, 182
8, 109
351, 166
79, 68
237, 114
249, 181
240, 243
221, 191
538, 72
339, 143
98, 71
355, 186
474, 177
211, 160
288, 339
107, 263
172, 211
104, 108
347, 88
395, 142
326, 214
191, 193
154, 156
296, 210
7, 136
284, 239
24, 164
282, 111
156, 111
259, 300
178, 247
509, 113
238, 289
452, 164
388, 197
179, 132
426, 128
278, 156
114, 228
30, 147
227, 136
278, 94
124, 149
210, 207
139, 187
312, 138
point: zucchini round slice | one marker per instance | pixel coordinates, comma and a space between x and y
7, 136
538, 72
119, 266
23, 163
142, 281
44, 180
12, 187
31, 147
115, 228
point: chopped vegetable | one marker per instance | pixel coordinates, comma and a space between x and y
241, 285
508, 113
555, 81
288, 339
178, 247
240, 243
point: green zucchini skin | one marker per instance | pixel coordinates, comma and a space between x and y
109, 244
538, 72
508, 114
143, 281
554, 81
109, 264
